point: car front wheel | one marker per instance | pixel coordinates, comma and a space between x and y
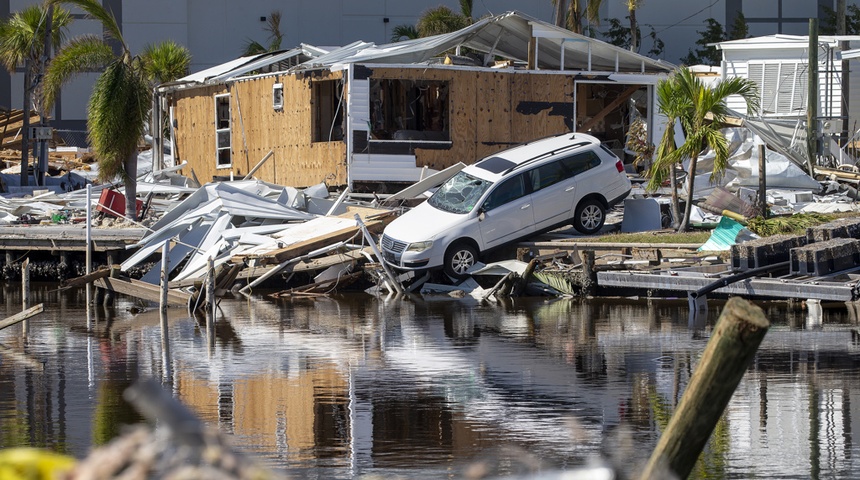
589, 217
459, 258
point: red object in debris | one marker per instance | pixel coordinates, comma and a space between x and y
112, 203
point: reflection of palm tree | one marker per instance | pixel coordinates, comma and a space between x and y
273, 26
118, 106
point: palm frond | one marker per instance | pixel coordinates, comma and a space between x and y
116, 114
274, 28
466, 8
404, 31
439, 20
253, 48
22, 36
165, 62
95, 10
82, 54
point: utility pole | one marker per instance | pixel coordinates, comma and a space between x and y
43, 115
846, 68
25, 128
812, 97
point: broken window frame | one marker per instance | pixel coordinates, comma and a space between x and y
429, 120
223, 131
327, 111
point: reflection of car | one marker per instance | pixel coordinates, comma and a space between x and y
505, 197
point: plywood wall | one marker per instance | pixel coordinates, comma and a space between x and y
493, 110
256, 129
490, 110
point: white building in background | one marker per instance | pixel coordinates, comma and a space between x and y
215, 31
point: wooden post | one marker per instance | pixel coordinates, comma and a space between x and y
812, 97
25, 293
762, 183
210, 288
589, 280
166, 369
165, 253
732, 346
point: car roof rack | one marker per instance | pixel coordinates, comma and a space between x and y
544, 155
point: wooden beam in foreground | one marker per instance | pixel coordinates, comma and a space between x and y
20, 317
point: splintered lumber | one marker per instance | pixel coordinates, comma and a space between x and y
322, 287
20, 317
85, 279
609, 108
142, 290
729, 352
307, 246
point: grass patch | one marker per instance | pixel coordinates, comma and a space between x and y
693, 237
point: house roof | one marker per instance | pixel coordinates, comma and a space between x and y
506, 35
783, 41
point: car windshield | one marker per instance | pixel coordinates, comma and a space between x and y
460, 193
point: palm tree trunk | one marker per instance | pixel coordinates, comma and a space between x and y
131, 187
559, 12
688, 208
676, 209
634, 31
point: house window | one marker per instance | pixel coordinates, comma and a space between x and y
223, 146
327, 111
413, 110
782, 86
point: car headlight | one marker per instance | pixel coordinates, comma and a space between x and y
419, 246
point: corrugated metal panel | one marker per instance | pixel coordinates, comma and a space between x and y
359, 104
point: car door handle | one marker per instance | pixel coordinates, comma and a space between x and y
569, 188
525, 206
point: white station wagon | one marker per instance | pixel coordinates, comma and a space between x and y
505, 197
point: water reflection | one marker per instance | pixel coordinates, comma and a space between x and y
422, 387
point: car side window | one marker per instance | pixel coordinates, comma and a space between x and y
547, 175
509, 190
581, 162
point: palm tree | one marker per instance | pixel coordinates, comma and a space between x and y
441, 19
119, 105
273, 26
574, 15
400, 32
704, 109
22, 44
672, 104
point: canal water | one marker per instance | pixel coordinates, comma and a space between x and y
355, 386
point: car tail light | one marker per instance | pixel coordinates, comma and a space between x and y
619, 166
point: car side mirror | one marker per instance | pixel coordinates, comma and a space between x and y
481, 214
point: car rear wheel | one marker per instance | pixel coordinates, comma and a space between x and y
589, 216
459, 258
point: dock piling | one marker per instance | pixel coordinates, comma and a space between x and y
733, 344
25, 294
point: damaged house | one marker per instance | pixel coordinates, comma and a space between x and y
779, 66
367, 115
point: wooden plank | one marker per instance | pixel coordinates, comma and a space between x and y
20, 317
304, 247
142, 290
85, 279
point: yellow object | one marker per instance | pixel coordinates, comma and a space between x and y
735, 216
33, 464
